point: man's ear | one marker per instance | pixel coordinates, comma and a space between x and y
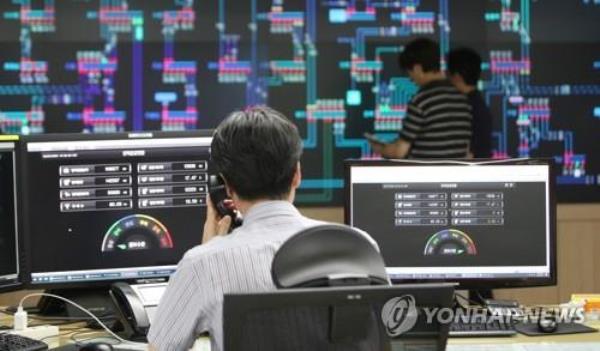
297, 179
455, 78
228, 188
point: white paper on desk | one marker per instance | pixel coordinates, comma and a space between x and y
579, 346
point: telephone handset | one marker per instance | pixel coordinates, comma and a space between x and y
136, 305
218, 195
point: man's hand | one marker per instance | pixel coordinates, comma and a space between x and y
376, 147
397, 149
214, 225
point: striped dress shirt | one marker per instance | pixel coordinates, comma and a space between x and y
438, 122
239, 262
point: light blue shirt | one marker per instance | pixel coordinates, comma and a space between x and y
239, 262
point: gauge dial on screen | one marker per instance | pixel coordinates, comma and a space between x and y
450, 242
136, 232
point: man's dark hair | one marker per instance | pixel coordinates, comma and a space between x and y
465, 62
256, 151
421, 51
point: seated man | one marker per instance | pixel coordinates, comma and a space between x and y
257, 152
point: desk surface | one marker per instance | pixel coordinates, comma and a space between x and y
77, 331
522, 339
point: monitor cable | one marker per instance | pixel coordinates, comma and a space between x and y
20, 317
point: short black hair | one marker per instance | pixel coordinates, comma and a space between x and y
465, 62
257, 150
421, 51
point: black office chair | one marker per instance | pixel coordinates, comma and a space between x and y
321, 256
328, 255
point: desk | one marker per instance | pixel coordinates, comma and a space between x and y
572, 342
69, 332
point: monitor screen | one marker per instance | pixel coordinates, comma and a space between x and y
112, 207
481, 225
331, 66
9, 255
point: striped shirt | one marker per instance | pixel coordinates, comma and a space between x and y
239, 262
438, 122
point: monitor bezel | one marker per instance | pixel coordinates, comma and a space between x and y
24, 195
17, 284
438, 295
478, 283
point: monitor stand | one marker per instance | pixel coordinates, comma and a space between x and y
96, 300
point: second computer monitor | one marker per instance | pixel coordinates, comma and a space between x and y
101, 208
9, 255
486, 225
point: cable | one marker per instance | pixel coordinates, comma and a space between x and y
66, 320
84, 339
57, 323
110, 332
107, 317
479, 296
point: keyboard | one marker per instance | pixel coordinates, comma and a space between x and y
11, 342
492, 328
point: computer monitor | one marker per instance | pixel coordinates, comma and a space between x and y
115, 207
373, 318
483, 225
9, 238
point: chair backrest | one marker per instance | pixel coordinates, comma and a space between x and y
328, 255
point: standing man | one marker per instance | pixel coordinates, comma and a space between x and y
438, 117
464, 71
